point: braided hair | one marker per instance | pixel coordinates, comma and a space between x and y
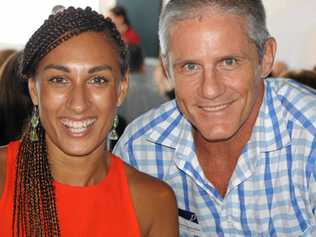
34, 205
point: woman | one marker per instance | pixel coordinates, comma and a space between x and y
60, 180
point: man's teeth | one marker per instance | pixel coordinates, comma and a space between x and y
215, 108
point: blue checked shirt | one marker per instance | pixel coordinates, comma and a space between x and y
272, 191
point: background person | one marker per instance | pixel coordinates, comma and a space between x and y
279, 67
143, 93
15, 101
238, 150
5, 54
165, 86
60, 180
120, 17
306, 77
57, 8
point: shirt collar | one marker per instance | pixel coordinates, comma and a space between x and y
270, 132
174, 132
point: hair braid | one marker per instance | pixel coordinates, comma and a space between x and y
35, 211
63, 26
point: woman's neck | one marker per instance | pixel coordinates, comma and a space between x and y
79, 171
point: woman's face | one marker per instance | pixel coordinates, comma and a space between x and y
77, 87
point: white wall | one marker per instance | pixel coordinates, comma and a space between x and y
20, 18
293, 24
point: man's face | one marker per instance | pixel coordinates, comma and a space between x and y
217, 74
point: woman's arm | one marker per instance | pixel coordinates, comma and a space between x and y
165, 221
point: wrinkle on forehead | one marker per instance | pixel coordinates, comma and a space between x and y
204, 14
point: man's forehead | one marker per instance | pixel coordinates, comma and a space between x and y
204, 16
209, 36
204, 23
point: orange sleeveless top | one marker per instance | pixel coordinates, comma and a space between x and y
104, 209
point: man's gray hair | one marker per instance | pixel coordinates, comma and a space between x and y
178, 10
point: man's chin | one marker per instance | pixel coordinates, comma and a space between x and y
213, 136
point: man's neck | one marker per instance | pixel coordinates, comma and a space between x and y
218, 159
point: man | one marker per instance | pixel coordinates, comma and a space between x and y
238, 150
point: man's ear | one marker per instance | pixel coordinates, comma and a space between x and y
123, 88
33, 90
268, 57
165, 66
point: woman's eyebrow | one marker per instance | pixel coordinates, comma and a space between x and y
104, 67
56, 67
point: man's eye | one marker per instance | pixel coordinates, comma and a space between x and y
58, 80
229, 62
189, 67
98, 80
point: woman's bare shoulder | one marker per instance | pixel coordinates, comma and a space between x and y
154, 202
3, 162
150, 185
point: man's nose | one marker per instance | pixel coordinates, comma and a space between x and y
212, 84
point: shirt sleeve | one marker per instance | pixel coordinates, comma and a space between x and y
311, 179
313, 190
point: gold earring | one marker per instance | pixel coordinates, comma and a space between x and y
34, 124
113, 133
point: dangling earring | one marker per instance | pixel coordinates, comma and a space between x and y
34, 123
113, 133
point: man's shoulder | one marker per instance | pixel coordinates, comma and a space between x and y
291, 90
152, 119
147, 129
297, 101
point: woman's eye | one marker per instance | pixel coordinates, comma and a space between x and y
58, 80
98, 80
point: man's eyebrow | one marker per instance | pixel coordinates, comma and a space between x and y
57, 67
183, 61
104, 67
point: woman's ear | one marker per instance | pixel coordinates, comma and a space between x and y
33, 90
123, 87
